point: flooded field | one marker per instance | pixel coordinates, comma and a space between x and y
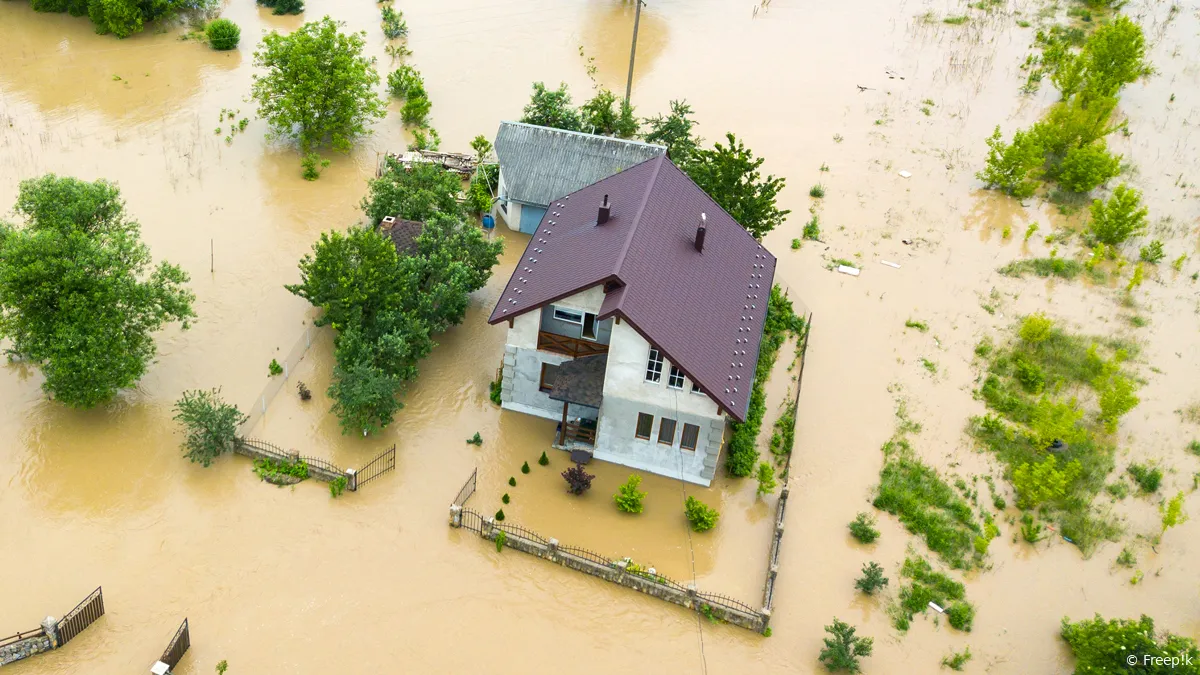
289, 581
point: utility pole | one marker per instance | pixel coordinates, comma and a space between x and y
637, 18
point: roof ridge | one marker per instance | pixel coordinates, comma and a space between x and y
583, 133
637, 216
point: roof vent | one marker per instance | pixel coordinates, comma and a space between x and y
605, 208
700, 233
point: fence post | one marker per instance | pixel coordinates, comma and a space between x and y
455, 515
693, 599
51, 627
765, 615
352, 480
552, 545
485, 531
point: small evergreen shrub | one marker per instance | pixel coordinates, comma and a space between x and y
512, 480
628, 498
701, 516
505, 499
500, 515
274, 368
863, 529
223, 35
525, 467
544, 460
843, 648
475, 440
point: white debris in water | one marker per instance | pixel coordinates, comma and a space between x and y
889, 263
905, 174
852, 271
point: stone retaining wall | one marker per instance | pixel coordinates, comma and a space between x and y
24, 649
618, 574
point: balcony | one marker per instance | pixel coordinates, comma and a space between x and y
569, 346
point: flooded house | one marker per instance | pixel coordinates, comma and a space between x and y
541, 164
634, 319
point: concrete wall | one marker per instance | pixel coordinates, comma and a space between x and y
509, 212
627, 393
519, 388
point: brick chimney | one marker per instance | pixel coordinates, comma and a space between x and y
700, 229
602, 215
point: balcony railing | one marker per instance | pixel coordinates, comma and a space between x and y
569, 346
580, 434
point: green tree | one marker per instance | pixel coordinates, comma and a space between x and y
872, 578
1114, 56
352, 277
628, 497
766, 478
730, 175
603, 115
675, 132
1172, 512
843, 648
414, 194
283, 6
1121, 217
551, 108
210, 424
1087, 168
318, 87
223, 35
405, 79
1043, 482
1102, 646
701, 516
1013, 167
482, 147
78, 296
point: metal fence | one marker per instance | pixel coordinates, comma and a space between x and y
375, 468
472, 520
179, 645
275, 384
84, 615
25, 635
467, 490
726, 602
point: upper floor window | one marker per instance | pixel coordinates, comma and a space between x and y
568, 315
696, 389
675, 379
654, 366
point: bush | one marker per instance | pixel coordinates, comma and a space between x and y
863, 529
1035, 328
872, 579
1121, 217
1148, 478
311, 165
416, 109
223, 35
512, 481
961, 615
1037, 484
843, 648
1013, 167
956, 660
1099, 645
817, 191
628, 498
701, 516
337, 486
812, 229
501, 536
304, 392
543, 460
1084, 169
766, 478
1152, 252
504, 499
495, 392
274, 368
209, 425
525, 467
500, 515
283, 6
475, 440
405, 79
578, 480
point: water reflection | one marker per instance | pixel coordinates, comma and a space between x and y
607, 34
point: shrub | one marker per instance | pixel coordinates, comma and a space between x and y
812, 229
393, 23
495, 392
544, 460
504, 499
501, 536
1152, 252
500, 515
303, 390
1099, 645
405, 79
701, 516
337, 486
1121, 217
1126, 558
1172, 512
961, 615
475, 440
578, 480
872, 579
209, 425
274, 368
1043, 482
956, 660
1116, 397
525, 467
863, 529
1035, 328
817, 191
283, 6
1084, 169
1148, 478
628, 498
223, 34
1030, 375
416, 109
311, 165
1013, 167
512, 481
843, 648
766, 478
919, 325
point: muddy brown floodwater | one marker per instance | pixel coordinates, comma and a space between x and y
290, 581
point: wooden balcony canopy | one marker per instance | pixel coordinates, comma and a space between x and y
569, 346
581, 381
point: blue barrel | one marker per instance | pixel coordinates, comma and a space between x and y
488, 221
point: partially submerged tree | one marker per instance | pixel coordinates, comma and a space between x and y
414, 194
1120, 217
675, 132
843, 648
78, 296
603, 115
1102, 646
209, 425
318, 87
730, 175
551, 108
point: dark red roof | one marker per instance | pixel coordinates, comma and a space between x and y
703, 310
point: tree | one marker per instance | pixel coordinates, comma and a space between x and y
414, 194
628, 497
675, 132
863, 529
551, 108
600, 116
1013, 167
701, 516
1119, 218
766, 478
1087, 168
405, 79
223, 35
578, 480
1102, 646
453, 259
123, 18
352, 276
1043, 482
283, 6
1172, 512
78, 296
872, 579
209, 425
1114, 56
729, 174
318, 87
843, 648
482, 147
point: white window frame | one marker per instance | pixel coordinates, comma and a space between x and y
675, 374
654, 366
570, 313
696, 388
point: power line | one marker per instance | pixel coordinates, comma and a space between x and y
688, 531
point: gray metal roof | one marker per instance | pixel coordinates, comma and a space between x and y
541, 164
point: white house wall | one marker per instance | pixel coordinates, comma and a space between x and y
520, 387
